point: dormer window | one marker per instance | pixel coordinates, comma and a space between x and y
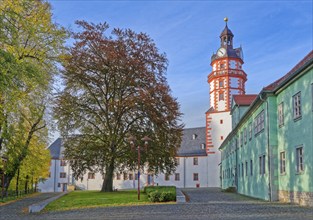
194, 136
203, 146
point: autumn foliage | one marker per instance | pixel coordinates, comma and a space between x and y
115, 86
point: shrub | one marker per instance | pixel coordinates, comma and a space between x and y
167, 196
154, 196
161, 193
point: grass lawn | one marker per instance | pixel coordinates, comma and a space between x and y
89, 199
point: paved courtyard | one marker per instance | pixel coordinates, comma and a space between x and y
205, 203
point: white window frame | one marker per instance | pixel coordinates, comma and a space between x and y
296, 101
259, 123
177, 177
280, 114
195, 175
250, 130
195, 161
262, 164
282, 162
299, 159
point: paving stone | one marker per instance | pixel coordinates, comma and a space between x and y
205, 203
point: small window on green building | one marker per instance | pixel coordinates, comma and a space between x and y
299, 159
282, 162
297, 105
262, 164
251, 168
281, 114
250, 130
259, 123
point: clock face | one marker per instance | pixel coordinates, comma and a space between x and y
221, 52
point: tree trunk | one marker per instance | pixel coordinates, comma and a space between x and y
26, 185
107, 185
17, 180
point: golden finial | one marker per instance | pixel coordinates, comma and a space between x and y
226, 19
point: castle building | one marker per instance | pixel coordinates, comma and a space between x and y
191, 171
269, 154
226, 79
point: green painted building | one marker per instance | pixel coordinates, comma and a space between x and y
269, 153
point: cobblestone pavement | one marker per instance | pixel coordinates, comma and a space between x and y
19, 209
205, 203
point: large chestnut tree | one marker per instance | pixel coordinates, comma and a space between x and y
114, 87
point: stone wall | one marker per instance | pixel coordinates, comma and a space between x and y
301, 198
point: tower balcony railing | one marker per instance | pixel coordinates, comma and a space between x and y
234, 72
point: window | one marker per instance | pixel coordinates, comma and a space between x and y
118, 176
222, 66
281, 114
259, 123
221, 83
194, 136
241, 139
246, 168
282, 162
177, 161
299, 159
297, 105
250, 130
131, 176
91, 175
62, 175
242, 170
167, 177
195, 177
125, 176
59, 184
203, 146
262, 164
195, 161
177, 177
221, 96
136, 176
245, 135
222, 138
62, 163
221, 121
251, 168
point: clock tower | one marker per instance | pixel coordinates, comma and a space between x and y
226, 79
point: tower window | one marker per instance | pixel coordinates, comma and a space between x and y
222, 66
221, 82
221, 96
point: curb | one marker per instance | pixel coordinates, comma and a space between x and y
37, 207
180, 197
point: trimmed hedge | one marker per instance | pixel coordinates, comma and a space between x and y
161, 193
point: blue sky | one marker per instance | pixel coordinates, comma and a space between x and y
275, 36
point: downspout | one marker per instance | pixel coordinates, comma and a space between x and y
268, 150
55, 173
236, 173
184, 172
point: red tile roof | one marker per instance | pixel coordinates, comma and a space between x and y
244, 99
278, 82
